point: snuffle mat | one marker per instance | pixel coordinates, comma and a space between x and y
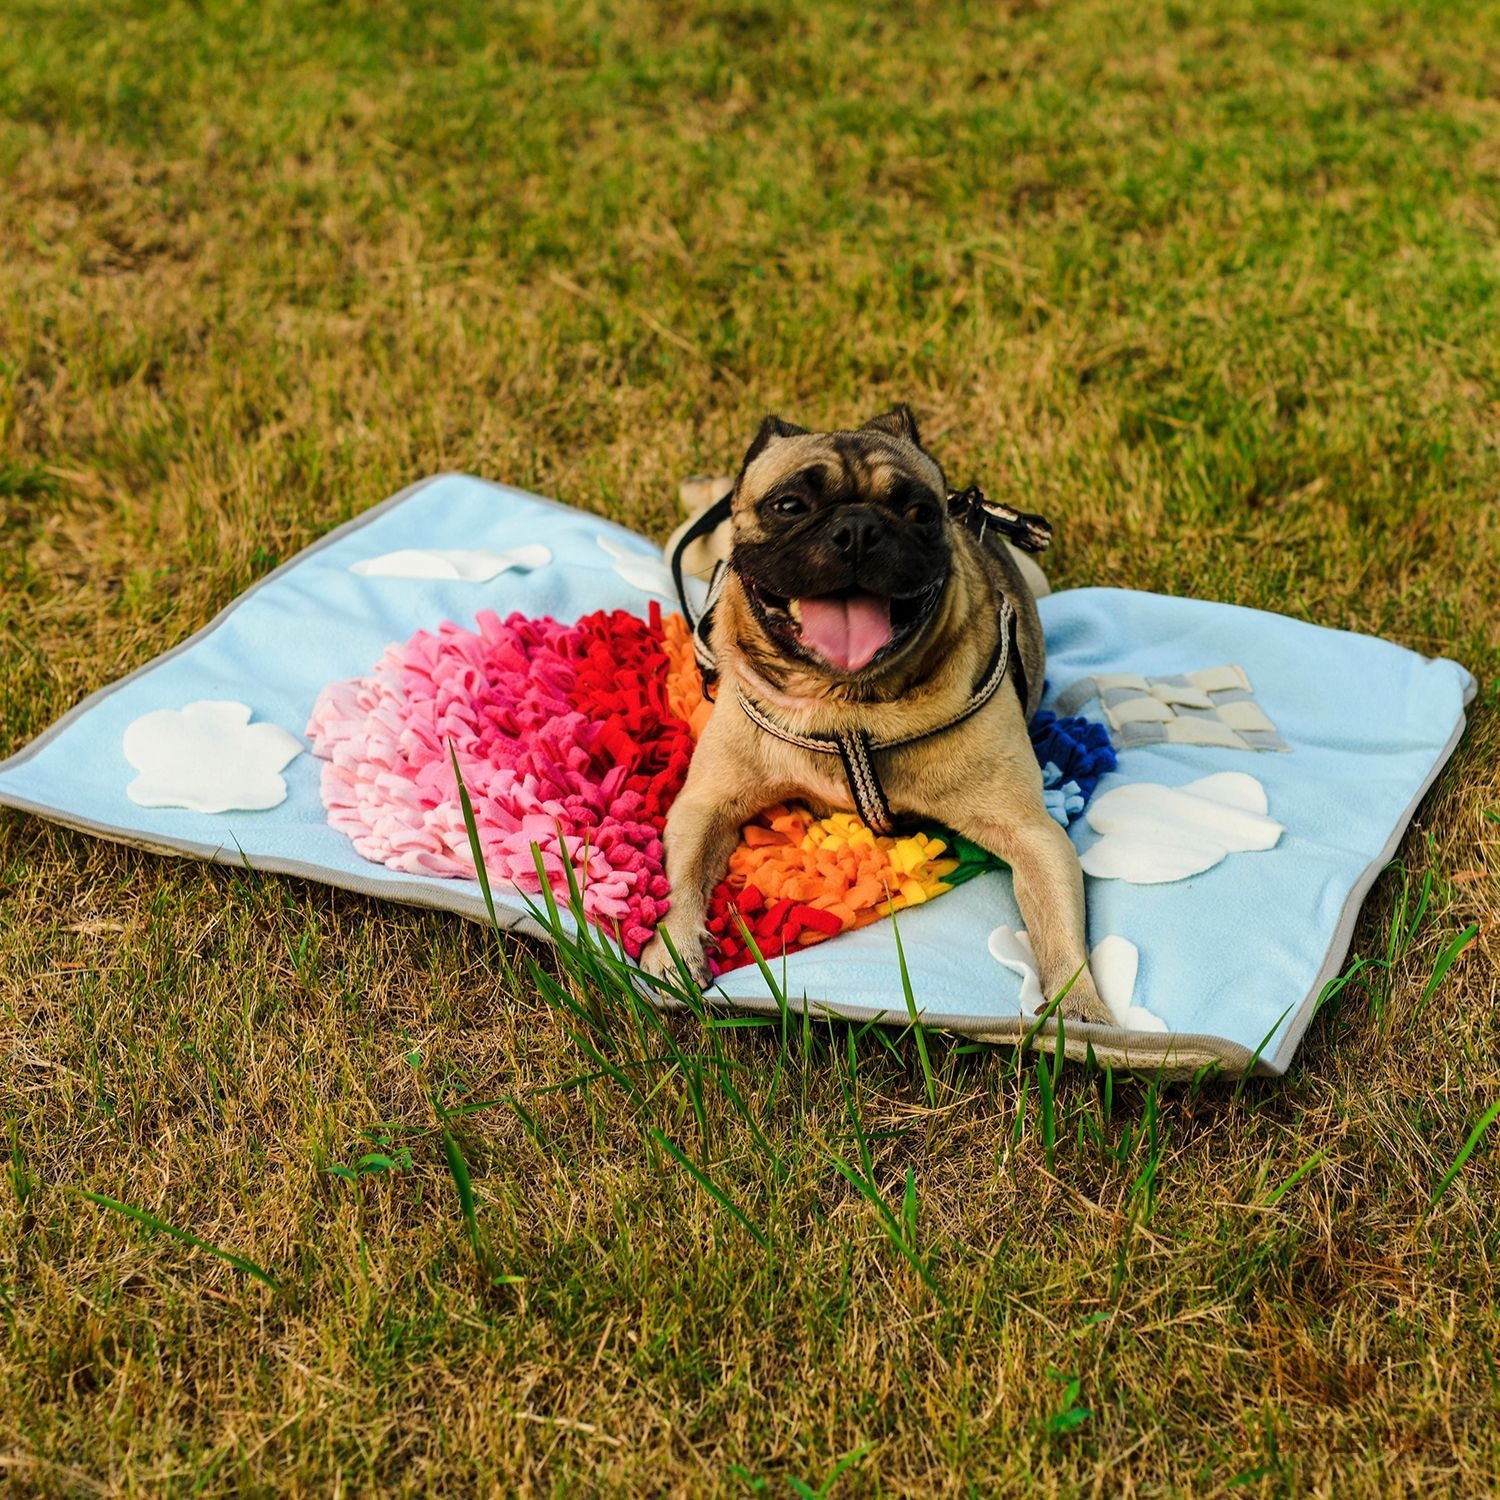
1234, 780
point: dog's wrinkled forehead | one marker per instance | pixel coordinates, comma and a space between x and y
864, 464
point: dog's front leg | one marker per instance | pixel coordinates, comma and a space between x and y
703, 828
1048, 883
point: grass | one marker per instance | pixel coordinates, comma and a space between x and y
1213, 286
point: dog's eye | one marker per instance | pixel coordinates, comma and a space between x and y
789, 505
921, 513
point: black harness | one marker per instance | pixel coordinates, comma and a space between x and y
856, 747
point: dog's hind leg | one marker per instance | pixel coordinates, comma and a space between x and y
698, 491
697, 494
1031, 571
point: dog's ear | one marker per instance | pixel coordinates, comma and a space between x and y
898, 422
772, 427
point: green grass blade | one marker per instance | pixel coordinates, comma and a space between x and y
1049, 1118
918, 1030
588, 936
1397, 936
471, 827
1419, 914
909, 1208
1298, 1175
730, 1092
688, 990
1445, 961
549, 897
712, 1188
871, 1194
1485, 1121
851, 1109
1018, 1125
778, 992
1145, 1185
1337, 984
846, 1463
140, 1215
458, 1170
1265, 1041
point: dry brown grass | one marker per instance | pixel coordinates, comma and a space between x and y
1215, 286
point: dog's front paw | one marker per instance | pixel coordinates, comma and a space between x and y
1083, 1002
657, 960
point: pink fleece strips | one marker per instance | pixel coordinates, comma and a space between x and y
555, 727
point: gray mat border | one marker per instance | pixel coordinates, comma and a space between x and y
1179, 1055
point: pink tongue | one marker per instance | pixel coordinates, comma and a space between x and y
846, 629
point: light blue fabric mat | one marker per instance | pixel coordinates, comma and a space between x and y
1231, 959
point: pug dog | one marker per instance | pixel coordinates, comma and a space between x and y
856, 613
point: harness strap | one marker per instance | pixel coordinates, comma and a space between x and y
864, 782
703, 651
710, 521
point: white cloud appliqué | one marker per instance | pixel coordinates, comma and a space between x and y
649, 574
1154, 834
470, 564
209, 758
1114, 963
1012, 949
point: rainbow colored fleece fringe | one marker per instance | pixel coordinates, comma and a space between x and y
574, 739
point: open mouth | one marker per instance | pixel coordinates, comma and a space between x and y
848, 630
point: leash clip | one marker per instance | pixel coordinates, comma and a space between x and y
1031, 533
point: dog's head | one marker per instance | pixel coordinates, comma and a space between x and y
841, 541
